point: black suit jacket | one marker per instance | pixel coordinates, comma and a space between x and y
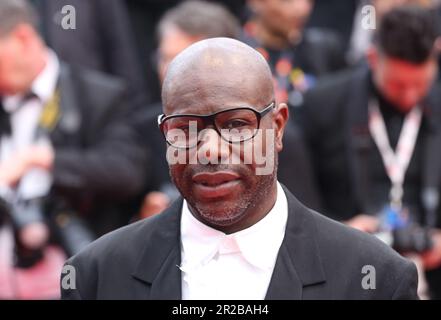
334, 122
318, 259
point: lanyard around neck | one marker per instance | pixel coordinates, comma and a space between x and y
396, 162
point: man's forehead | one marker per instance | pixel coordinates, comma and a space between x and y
213, 92
213, 59
213, 67
209, 100
216, 74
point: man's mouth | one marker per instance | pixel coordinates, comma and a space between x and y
216, 184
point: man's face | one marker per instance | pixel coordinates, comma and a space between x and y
403, 83
12, 69
287, 18
172, 42
223, 194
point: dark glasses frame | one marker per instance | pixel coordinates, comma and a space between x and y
210, 120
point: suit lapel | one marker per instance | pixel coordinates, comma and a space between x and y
298, 263
285, 282
158, 264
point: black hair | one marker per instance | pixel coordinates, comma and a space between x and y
15, 12
201, 18
408, 33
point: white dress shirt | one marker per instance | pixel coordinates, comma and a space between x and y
217, 266
24, 117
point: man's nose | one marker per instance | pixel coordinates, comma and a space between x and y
212, 148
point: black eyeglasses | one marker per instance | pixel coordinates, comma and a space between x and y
233, 125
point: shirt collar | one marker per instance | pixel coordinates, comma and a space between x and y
258, 244
43, 86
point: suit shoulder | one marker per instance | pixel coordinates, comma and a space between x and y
108, 253
355, 254
350, 255
339, 242
117, 253
114, 245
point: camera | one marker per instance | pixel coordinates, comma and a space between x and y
63, 227
411, 238
406, 235
20, 215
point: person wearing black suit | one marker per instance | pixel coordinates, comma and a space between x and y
98, 162
316, 259
90, 150
335, 120
235, 232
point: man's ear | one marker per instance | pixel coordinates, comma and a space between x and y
281, 116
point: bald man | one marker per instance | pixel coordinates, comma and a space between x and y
236, 233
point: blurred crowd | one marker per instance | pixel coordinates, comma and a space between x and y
81, 153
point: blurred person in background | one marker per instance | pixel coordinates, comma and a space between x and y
145, 16
180, 27
374, 135
361, 38
68, 156
297, 56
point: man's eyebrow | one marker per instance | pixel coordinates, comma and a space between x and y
229, 107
